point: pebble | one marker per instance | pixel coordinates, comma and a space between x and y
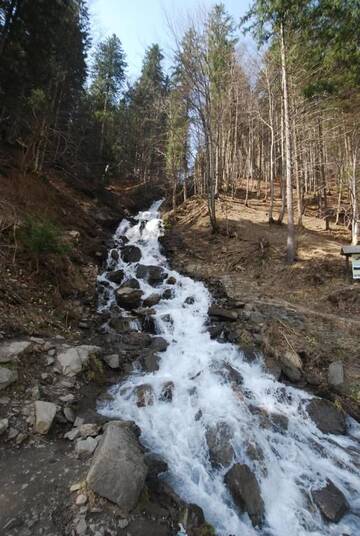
4, 423
75, 487
81, 499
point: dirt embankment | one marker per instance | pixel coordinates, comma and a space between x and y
307, 313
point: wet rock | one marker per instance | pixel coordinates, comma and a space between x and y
330, 501
245, 491
69, 414
152, 300
159, 344
44, 416
167, 391
167, 294
273, 367
216, 332
249, 354
128, 298
150, 362
131, 254
327, 417
4, 423
232, 375
254, 452
7, 377
84, 448
118, 471
155, 464
72, 360
148, 324
291, 365
131, 283
336, 374
112, 361
189, 300
114, 254
116, 276
280, 422
193, 520
218, 441
171, 280
11, 351
154, 275
167, 318
145, 395
223, 314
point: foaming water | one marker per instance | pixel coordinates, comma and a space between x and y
292, 460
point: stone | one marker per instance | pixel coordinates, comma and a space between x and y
116, 276
84, 448
113, 361
150, 362
89, 430
330, 501
167, 294
114, 254
336, 374
152, 300
128, 298
10, 351
245, 491
327, 417
218, 439
81, 500
118, 470
159, 344
232, 375
131, 283
223, 314
167, 392
189, 300
171, 280
72, 434
145, 395
72, 360
156, 465
131, 254
7, 377
44, 415
4, 423
291, 365
69, 414
154, 275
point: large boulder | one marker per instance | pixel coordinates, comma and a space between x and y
128, 298
72, 360
131, 254
223, 314
7, 377
44, 415
154, 275
330, 501
131, 283
10, 351
291, 365
118, 470
116, 276
327, 417
152, 300
218, 440
245, 491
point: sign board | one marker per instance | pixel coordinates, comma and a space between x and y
355, 261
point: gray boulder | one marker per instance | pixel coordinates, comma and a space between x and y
116, 276
330, 501
128, 298
131, 254
10, 351
44, 416
327, 417
152, 300
291, 365
113, 360
245, 491
154, 275
72, 360
336, 374
131, 283
159, 344
218, 441
118, 470
223, 314
7, 377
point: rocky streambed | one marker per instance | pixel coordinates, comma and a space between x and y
196, 435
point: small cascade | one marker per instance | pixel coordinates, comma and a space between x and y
207, 407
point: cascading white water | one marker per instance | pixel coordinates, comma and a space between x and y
294, 460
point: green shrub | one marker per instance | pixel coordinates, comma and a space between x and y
41, 237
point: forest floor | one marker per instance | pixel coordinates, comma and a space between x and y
311, 307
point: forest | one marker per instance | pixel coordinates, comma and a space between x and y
282, 122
